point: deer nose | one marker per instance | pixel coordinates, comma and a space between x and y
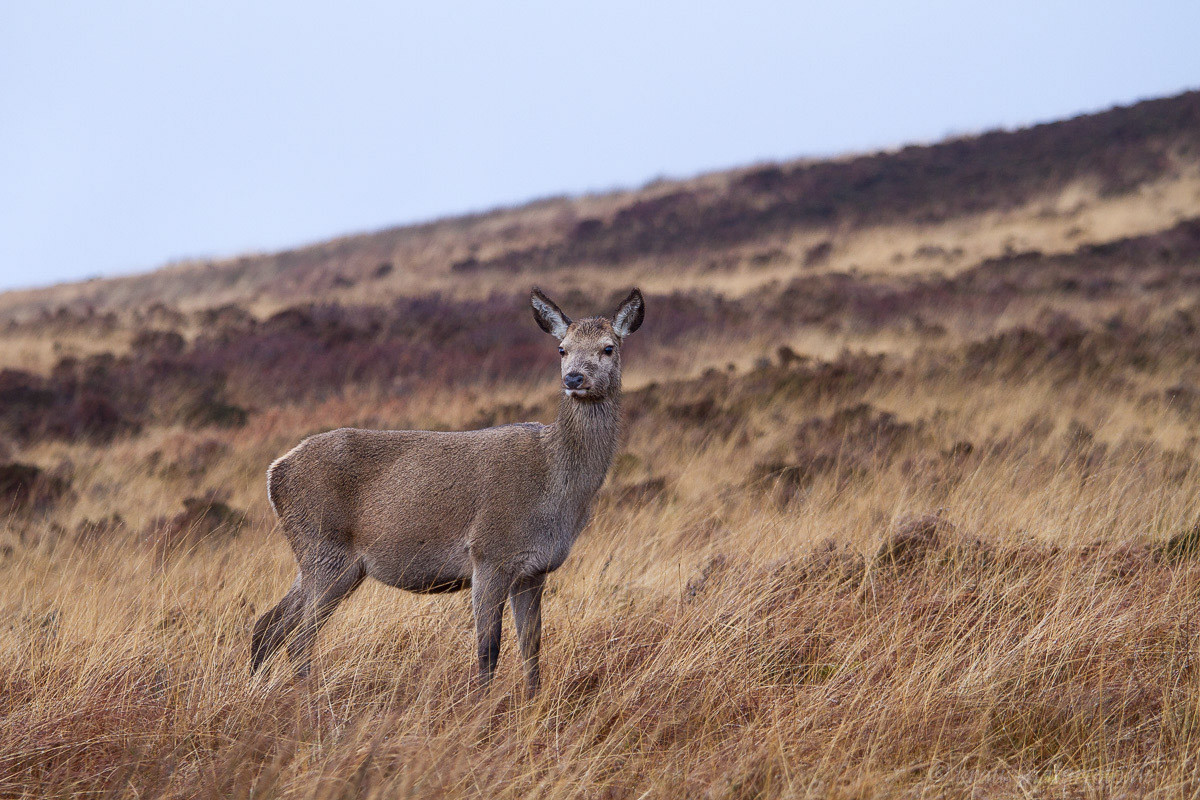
573, 380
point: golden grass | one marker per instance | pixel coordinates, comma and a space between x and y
708, 642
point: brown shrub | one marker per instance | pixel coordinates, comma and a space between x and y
637, 494
818, 254
203, 519
158, 343
100, 532
25, 487
914, 538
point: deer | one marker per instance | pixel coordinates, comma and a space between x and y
494, 510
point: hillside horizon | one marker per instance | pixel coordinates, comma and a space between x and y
218, 255
802, 193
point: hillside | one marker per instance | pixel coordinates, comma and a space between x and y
904, 503
1049, 187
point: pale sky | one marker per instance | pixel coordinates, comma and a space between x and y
135, 133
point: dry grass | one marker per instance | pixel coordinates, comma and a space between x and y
724, 637
946, 544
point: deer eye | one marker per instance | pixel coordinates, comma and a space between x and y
562, 352
608, 351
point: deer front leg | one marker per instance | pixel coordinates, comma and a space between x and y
526, 598
488, 589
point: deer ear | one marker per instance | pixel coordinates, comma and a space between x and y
629, 315
550, 317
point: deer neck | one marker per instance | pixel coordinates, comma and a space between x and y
583, 440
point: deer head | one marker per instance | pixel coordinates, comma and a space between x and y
590, 348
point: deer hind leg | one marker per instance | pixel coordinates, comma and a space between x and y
274, 627
489, 587
526, 598
328, 578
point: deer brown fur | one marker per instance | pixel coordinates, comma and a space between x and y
495, 510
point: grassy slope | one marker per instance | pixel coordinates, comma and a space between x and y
910, 514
